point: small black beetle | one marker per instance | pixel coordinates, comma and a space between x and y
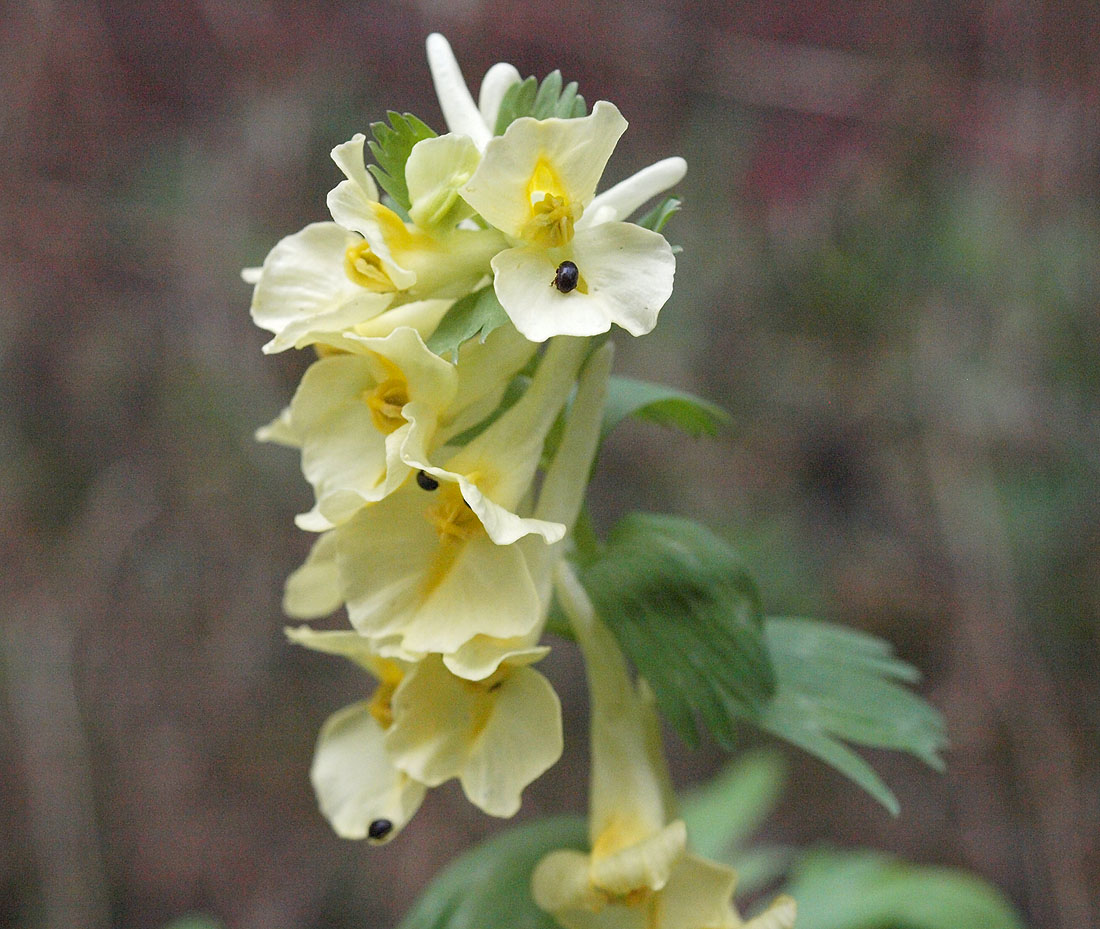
379, 829
566, 277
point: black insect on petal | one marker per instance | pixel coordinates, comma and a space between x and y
379, 829
426, 482
566, 277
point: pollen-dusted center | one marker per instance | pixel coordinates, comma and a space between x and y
385, 402
551, 222
364, 268
452, 518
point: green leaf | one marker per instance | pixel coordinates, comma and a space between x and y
837, 685
391, 146
662, 405
656, 218
688, 615
542, 101
721, 815
489, 887
476, 314
869, 890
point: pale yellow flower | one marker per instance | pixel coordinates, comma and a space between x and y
423, 726
302, 293
435, 564
402, 259
565, 275
359, 789
638, 873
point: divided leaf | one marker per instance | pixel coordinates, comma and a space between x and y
476, 314
837, 685
656, 218
688, 616
391, 147
542, 101
662, 405
489, 887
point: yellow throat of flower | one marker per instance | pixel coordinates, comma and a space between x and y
452, 518
553, 214
386, 402
364, 268
380, 705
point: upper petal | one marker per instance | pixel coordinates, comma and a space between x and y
459, 109
349, 159
434, 172
494, 86
626, 196
571, 153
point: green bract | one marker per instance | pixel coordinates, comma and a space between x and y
392, 145
530, 98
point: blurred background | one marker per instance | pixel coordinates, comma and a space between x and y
889, 276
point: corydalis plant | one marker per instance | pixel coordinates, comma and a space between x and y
459, 304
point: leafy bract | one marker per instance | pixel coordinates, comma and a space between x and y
665, 406
870, 890
489, 887
837, 685
476, 314
687, 614
542, 101
391, 147
656, 218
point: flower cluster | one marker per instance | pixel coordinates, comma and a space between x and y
431, 532
448, 429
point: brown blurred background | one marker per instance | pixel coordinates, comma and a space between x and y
890, 236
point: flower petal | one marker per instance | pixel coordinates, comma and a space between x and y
483, 654
524, 285
280, 431
421, 315
494, 86
626, 196
560, 883
313, 590
521, 739
487, 590
349, 159
356, 783
495, 738
351, 452
573, 151
304, 294
347, 644
459, 109
400, 580
779, 915
698, 894
435, 171
627, 274
642, 865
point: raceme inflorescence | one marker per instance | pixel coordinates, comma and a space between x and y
459, 305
